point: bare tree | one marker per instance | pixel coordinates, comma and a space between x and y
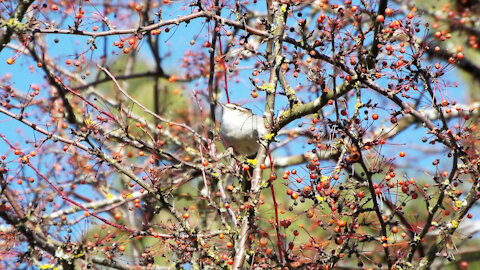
362, 154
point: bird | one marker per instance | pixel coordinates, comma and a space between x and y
241, 129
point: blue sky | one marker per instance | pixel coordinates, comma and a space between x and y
70, 46
180, 36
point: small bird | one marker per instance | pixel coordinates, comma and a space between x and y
241, 129
400, 35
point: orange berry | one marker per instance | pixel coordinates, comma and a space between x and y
263, 241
